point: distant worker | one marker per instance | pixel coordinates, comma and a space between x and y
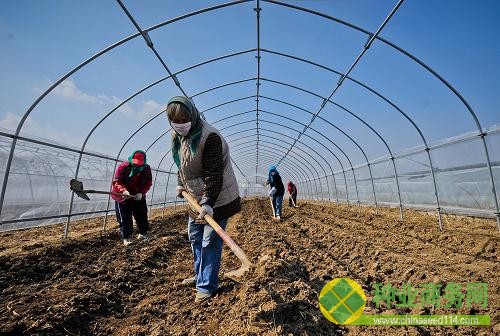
205, 171
132, 177
276, 192
292, 190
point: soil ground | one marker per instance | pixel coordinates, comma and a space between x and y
90, 284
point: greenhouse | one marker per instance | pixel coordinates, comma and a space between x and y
384, 115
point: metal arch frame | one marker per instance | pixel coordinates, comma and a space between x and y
272, 160
136, 94
304, 167
291, 162
205, 62
27, 172
329, 150
298, 155
238, 114
287, 136
249, 121
150, 44
242, 156
225, 5
81, 65
364, 123
282, 134
249, 160
257, 84
303, 170
343, 170
170, 76
242, 113
341, 165
166, 191
375, 36
265, 156
317, 95
252, 129
341, 80
157, 139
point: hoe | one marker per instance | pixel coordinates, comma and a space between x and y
245, 263
77, 187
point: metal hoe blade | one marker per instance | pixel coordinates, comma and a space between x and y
77, 187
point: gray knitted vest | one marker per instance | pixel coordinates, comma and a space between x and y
191, 168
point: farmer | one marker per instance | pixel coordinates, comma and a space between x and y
204, 170
292, 191
277, 191
132, 177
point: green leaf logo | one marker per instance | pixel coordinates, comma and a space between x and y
342, 301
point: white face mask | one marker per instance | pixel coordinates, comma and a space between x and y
182, 129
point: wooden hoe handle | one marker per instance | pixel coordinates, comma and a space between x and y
238, 252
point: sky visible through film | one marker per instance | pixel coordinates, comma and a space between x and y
40, 41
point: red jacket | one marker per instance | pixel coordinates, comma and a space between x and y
291, 188
139, 183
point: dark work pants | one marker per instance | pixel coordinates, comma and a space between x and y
294, 196
124, 212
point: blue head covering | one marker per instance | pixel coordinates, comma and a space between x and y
271, 170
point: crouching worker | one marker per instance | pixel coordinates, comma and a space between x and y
292, 190
132, 177
204, 170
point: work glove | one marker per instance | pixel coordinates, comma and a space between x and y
138, 196
206, 210
179, 190
272, 191
126, 193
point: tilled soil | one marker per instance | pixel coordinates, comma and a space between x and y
90, 284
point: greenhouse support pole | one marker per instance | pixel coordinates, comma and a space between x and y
398, 188
328, 188
335, 186
428, 150
373, 187
316, 192
317, 183
153, 191
304, 188
70, 208
497, 213
306, 184
356, 186
346, 191
166, 189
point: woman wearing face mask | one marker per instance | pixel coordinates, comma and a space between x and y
204, 170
